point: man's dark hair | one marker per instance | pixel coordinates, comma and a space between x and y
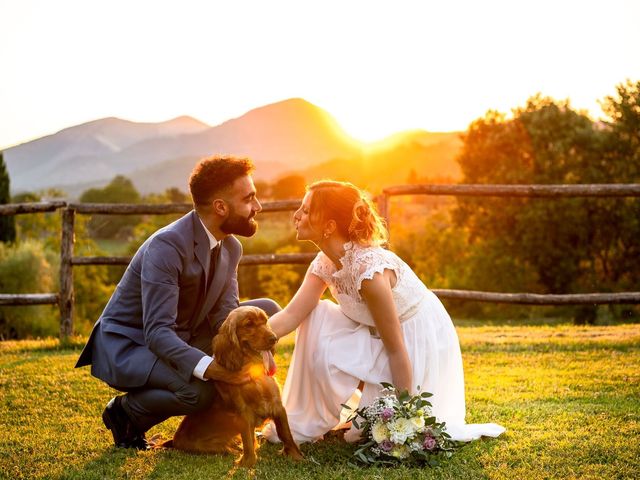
213, 174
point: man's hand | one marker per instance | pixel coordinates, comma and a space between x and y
221, 374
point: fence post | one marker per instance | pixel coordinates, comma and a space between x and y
383, 209
66, 273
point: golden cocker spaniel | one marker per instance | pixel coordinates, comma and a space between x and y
242, 408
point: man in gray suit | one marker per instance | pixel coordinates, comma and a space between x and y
153, 339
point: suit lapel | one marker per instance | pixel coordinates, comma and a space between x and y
201, 250
201, 246
218, 281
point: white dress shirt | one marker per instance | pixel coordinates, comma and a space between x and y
205, 361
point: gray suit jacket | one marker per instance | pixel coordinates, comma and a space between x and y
162, 307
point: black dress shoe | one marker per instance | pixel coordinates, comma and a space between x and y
139, 443
124, 433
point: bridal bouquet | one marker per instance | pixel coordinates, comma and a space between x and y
399, 428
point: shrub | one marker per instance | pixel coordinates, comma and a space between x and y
26, 268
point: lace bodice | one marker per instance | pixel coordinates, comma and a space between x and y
362, 263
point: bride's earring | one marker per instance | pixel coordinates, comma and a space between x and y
326, 235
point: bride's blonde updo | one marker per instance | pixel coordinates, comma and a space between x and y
355, 216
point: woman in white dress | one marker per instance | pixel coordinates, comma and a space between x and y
386, 327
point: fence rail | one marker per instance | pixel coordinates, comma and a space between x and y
256, 259
65, 297
539, 299
593, 190
152, 209
36, 207
28, 299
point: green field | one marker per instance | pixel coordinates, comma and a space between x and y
569, 397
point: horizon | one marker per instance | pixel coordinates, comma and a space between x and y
372, 144
377, 70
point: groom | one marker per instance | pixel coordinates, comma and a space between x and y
153, 339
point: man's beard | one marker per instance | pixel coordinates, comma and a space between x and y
239, 225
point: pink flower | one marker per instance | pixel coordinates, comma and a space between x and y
429, 443
386, 414
386, 445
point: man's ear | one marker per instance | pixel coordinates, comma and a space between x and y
220, 207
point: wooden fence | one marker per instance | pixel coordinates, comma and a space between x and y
65, 297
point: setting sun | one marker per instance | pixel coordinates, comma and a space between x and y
378, 69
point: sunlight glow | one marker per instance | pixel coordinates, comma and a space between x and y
256, 371
377, 67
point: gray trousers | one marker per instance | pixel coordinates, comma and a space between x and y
166, 394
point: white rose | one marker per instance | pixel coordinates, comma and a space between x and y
418, 423
379, 432
400, 430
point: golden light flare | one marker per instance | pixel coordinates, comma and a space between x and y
256, 371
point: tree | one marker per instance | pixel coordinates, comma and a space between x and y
623, 146
545, 142
44, 227
7, 222
119, 190
618, 248
26, 267
572, 244
291, 187
175, 195
41, 232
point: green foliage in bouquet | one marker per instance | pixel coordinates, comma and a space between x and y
399, 428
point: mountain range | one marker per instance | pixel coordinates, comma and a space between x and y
288, 137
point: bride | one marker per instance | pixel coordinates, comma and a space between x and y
386, 327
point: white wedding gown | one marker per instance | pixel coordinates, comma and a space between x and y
337, 346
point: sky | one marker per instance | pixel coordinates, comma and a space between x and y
378, 67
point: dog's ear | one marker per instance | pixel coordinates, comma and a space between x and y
230, 327
226, 346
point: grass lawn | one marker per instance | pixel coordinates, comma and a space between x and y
569, 397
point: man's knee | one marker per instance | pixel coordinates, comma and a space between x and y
196, 396
269, 306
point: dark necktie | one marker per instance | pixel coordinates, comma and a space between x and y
212, 263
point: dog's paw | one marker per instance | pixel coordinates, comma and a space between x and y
246, 461
155, 442
292, 452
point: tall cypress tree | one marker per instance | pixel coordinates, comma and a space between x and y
7, 222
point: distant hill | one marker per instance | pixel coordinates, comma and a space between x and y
288, 136
427, 156
278, 137
87, 153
